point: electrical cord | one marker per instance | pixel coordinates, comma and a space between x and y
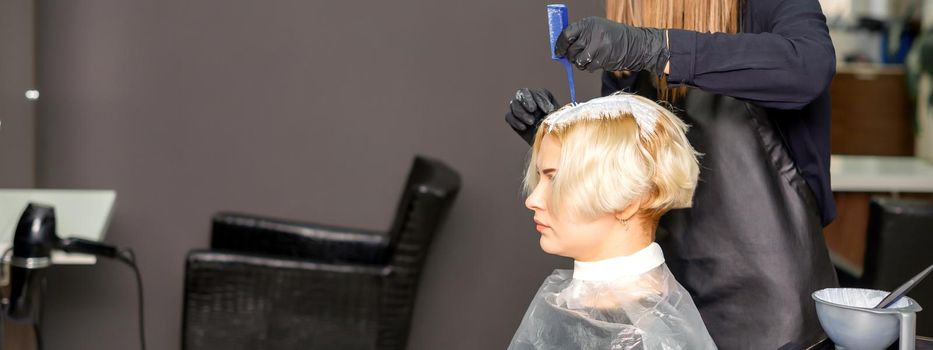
127, 256
35, 330
3, 297
124, 255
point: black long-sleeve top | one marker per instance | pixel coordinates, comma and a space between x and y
783, 60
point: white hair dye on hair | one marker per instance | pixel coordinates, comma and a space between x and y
644, 111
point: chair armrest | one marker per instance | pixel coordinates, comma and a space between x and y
276, 237
246, 301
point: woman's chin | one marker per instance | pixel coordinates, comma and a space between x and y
548, 246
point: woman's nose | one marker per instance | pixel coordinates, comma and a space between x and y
533, 202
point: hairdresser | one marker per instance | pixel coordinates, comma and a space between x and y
751, 77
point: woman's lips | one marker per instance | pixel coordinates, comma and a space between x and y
540, 226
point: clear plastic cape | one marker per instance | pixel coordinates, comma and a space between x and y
646, 311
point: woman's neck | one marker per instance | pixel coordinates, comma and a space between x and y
624, 239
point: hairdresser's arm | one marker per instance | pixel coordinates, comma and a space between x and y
785, 68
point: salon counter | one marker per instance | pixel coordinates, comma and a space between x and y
79, 213
881, 174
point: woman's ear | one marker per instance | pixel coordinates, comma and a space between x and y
629, 212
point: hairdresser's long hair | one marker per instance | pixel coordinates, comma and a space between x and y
707, 16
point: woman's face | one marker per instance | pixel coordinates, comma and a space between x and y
566, 234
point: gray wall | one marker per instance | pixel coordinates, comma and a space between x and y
309, 110
17, 74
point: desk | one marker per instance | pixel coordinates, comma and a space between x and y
78, 213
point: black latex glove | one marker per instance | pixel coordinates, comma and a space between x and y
597, 43
527, 109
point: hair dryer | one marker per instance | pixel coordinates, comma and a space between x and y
33, 242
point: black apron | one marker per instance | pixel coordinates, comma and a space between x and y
750, 251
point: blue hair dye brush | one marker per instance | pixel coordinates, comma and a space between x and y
556, 22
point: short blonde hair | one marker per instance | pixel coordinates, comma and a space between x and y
608, 161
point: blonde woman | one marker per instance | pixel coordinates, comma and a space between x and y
600, 176
752, 78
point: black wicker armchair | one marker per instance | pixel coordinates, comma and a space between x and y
276, 284
898, 245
